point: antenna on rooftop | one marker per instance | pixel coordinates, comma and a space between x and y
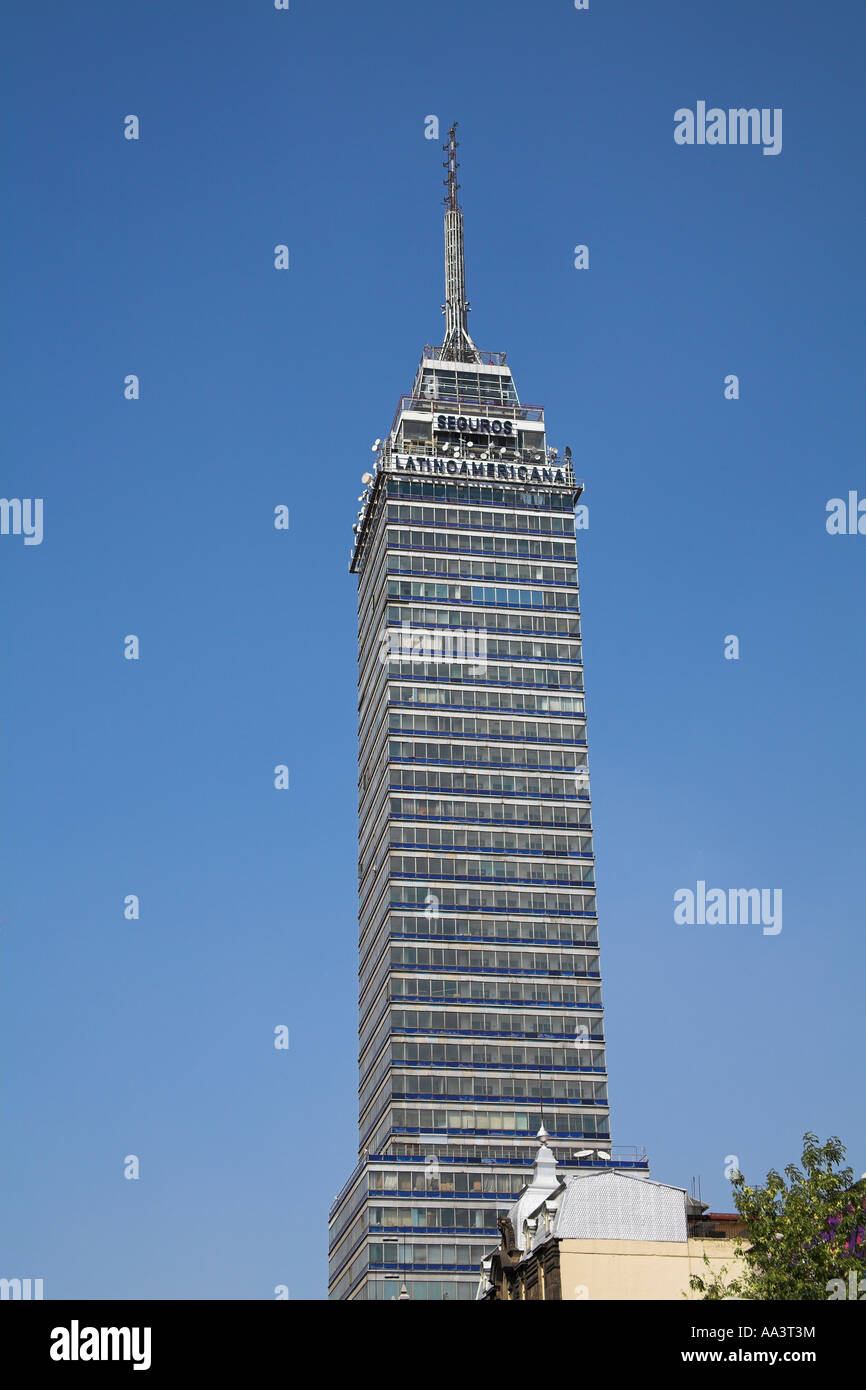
457, 345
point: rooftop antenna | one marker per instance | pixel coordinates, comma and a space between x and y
457, 345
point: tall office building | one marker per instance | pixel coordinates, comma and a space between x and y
479, 982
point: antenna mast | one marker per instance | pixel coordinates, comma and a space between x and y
457, 345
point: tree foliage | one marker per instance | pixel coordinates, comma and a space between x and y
805, 1230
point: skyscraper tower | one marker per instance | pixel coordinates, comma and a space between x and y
480, 1015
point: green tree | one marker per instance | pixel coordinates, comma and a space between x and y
804, 1230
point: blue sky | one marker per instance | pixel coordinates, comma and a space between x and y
259, 387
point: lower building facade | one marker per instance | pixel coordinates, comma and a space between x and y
605, 1236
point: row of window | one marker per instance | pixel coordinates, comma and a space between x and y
486, 755
451, 1219
508, 701
482, 569
489, 812
482, 593
476, 726
567, 931
481, 388
446, 1256
495, 841
523, 523
460, 958
561, 993
489, 620
415, 1085
445, 1181
499, 899
478, 494
496, 1054
558, 1027
475, 1150
497, 870
420, 1290
514, 547
458, 671
556, 1122
506, 784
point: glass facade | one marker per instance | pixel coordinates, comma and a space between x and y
479, 982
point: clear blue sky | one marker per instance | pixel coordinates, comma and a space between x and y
707, 517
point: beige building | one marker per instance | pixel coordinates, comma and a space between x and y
605, 1235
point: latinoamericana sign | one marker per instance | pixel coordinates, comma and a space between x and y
483, 468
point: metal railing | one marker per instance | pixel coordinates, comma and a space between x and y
440, 405
496, 450
440, 354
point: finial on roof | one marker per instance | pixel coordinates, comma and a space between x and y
458, 346
452, 166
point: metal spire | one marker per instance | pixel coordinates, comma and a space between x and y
458, 344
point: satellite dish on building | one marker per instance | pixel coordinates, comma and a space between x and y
366, 477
